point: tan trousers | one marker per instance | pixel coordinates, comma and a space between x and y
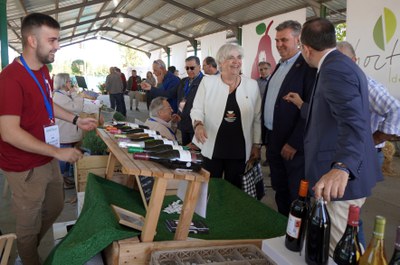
338, 213
133, 95
37, 200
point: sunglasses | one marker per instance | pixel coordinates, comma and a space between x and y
190, 68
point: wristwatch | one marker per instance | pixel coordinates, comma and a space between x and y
341, 166
75, 119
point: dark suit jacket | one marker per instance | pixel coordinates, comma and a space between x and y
288, 126
338, 126
178, 92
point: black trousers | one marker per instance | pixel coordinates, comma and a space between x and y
231, 169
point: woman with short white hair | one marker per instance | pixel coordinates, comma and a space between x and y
226, 117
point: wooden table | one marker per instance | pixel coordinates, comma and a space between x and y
161, 175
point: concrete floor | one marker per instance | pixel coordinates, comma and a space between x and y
382, 202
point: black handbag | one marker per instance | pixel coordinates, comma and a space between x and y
253, 181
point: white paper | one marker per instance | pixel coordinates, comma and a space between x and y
201, 206
52, 135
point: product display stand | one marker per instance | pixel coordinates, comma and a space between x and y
161, 176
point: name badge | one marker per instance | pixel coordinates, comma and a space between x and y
52, 135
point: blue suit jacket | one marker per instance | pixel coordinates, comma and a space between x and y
338, 126
288, 126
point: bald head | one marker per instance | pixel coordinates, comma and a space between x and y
347, 49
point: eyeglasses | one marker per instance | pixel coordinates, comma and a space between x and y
69, 81
190, 67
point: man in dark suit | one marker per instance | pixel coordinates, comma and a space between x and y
340, 159
283, 127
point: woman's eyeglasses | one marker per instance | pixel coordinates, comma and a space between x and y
190, 68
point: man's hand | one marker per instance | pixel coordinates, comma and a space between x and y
331, 185
294, 98
86, 124
145, 86
200, 133
288, 152
70, 155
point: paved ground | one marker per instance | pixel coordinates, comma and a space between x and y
384, 201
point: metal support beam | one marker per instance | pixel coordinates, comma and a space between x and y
239, 36
195, 47
168, 57
3, 34
323, 11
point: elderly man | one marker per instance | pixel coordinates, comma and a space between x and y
185, 93
161, 118
115, 87
166, 80
210, 66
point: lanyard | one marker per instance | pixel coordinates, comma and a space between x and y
45, 98
169, 129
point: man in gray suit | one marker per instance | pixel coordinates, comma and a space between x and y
340, 158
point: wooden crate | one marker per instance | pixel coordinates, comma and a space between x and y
96, 165
133, 252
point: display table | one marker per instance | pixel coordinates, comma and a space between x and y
232, 216
276, 250
161, 175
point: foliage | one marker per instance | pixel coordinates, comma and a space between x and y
130, 57
119, 117
341, 31
77, 67
102, 88
94, 143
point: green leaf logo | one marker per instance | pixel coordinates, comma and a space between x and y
385, 25
260, 29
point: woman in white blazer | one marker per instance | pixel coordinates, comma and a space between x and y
226, 117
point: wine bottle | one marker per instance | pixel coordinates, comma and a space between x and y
348, 250
146, 144
395, 260
375, 252
158, 148
297, 221
166, 157
318, 235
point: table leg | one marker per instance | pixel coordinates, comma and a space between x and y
154, 209
189, 205
110, 166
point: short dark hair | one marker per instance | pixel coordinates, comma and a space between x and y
319, 34
295, 26
36, 20
211, 61
172, 69
266, 63
193, 58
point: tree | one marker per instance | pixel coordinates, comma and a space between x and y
341, 32
77, 67
130, 57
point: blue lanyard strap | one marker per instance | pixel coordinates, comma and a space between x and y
188, 87
169, 129
45, 98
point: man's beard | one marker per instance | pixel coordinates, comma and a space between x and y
45, 58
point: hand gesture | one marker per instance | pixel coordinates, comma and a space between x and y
200, 133
331, 185
145, 86
294, 98
87, 124
288, 152
70, 155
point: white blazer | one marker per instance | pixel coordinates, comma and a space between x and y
209, 107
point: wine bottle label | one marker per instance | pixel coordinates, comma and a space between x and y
293, 226
185, 156
127, 144
169, 142
149, 132
157, 137
132, 125
177, 147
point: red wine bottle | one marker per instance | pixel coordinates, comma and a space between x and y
158, 148
348, 250
146, 144
173, 159
375, 252
318, 235
395, 260
297, 222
